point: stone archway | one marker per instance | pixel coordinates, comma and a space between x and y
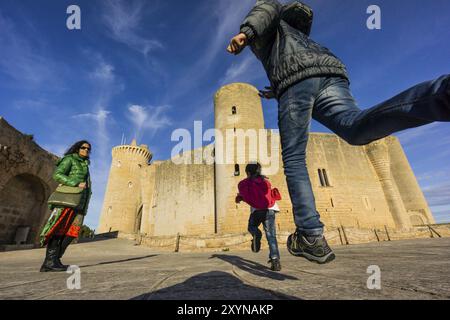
23, 203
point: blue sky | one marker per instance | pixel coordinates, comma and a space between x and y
145, 68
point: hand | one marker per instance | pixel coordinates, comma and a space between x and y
238, 198
267, 94
82, 185
237, 44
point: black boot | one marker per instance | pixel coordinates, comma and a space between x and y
51, 258
63, 244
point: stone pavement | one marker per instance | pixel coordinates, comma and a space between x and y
117, 269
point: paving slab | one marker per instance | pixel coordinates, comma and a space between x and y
118, 269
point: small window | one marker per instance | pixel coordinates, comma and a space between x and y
119, 163
323, 177
332, 202
130, 184
233, 110
237, 171
322, 181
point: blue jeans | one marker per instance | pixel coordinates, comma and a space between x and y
329, 101
267, 218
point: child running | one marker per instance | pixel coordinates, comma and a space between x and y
257, 191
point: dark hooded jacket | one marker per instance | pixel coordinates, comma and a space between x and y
287, 54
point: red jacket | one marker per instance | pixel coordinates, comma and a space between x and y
258, 193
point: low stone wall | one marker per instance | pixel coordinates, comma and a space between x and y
242, 241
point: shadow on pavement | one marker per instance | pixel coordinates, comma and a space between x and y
253, 267
118, 261
100, 237
214, 285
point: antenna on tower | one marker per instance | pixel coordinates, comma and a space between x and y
123, 139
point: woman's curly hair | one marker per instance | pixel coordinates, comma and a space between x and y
75, 148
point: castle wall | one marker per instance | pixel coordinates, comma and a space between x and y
182, 198
25, 184
354, 199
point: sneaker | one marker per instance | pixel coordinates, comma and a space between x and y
256, 243
275, 264
315, 251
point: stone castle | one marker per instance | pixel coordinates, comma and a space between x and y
360, 187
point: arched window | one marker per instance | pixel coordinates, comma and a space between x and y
237, 171
233, 110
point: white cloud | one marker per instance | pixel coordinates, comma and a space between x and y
224, 21
241, 71
122, 19
148, 118
99, 116
104, 72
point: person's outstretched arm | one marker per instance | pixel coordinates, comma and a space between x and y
260, 22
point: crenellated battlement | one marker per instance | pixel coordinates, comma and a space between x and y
124, 151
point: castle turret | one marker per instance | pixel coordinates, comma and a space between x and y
378, 153
413, 198
122, 204
237, 109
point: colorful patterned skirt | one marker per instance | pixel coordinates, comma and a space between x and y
62, 222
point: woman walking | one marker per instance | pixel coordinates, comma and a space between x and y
65, 223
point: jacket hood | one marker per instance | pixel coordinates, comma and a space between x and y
298, 15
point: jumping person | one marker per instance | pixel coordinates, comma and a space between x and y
311, 82
257, 191
65, 223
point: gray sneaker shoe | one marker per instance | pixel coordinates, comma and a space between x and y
317, 251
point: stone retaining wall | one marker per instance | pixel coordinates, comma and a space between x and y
242, 241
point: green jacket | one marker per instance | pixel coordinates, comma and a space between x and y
71, 171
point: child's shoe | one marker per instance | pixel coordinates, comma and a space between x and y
275, 264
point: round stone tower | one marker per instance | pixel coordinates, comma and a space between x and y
238, 112
412, 195
378, 153
122, 204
